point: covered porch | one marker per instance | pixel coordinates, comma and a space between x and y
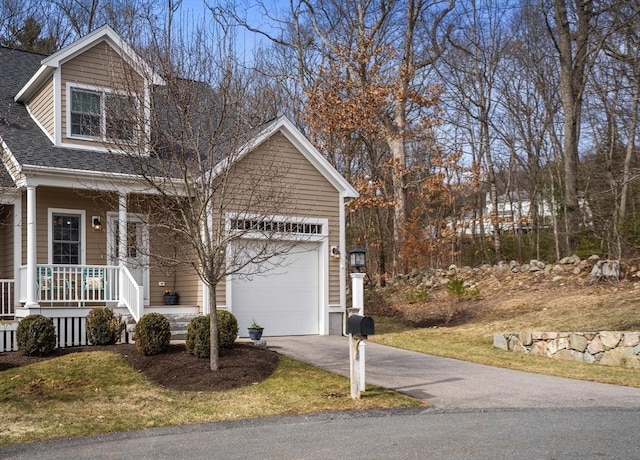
80, 249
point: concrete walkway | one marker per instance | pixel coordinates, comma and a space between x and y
451, 384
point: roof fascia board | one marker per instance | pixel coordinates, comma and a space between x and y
77, 178
34, 83
11, 163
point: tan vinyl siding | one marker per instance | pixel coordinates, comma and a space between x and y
99, 66
41, 107
308, 195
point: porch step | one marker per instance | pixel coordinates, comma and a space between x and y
178, 323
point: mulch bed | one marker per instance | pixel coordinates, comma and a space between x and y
242, 365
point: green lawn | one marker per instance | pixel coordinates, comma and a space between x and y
83, 394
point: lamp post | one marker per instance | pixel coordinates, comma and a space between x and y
357, 260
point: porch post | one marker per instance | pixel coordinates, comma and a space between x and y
122, 240
32, 248
17, 249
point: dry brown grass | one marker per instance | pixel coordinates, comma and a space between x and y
511, 302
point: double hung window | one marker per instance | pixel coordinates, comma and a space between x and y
101, 115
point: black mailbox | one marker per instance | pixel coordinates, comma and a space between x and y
360, 325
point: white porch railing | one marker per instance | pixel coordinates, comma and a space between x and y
132, 295
73, 285
6, 297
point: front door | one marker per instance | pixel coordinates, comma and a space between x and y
137, 249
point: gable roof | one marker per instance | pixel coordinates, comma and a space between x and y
293, 134
104, 33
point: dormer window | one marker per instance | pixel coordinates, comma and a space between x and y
100, 114
86, 113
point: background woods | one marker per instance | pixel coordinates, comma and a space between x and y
474, 130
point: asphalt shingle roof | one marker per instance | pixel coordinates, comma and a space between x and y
23, 136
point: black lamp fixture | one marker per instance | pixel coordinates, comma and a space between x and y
357, 258
96, 223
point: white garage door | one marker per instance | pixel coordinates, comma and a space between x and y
285, 300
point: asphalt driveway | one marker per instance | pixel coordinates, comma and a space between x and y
451, 384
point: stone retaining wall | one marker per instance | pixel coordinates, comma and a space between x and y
611, 348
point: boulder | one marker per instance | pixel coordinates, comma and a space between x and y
630, 339
621, 356
589, 358
526, 339
610, 339
553, 346
578, 342
595, 346
539, 348
569, 355
500, 341
516, 345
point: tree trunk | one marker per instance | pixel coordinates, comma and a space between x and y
572, 81
214, 359
396, 145
626, 174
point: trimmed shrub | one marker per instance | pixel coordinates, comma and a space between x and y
103, 327
199, 332
36, 335
227, 329
153, 334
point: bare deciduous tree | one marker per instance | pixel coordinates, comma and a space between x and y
190, 140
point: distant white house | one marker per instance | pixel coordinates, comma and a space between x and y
513, 213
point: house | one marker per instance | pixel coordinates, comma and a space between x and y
72, 216
513, 213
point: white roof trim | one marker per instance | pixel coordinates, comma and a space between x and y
34, 83
288, 129
104, 33
89, 179
11, 163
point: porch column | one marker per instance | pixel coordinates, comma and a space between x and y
32, 248
122, 240
17, 250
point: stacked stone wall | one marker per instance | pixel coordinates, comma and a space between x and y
611, 348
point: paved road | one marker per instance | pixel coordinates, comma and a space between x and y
451, 384
406, 434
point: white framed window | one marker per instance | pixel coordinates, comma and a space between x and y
99, 113
66, 237
286, 227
